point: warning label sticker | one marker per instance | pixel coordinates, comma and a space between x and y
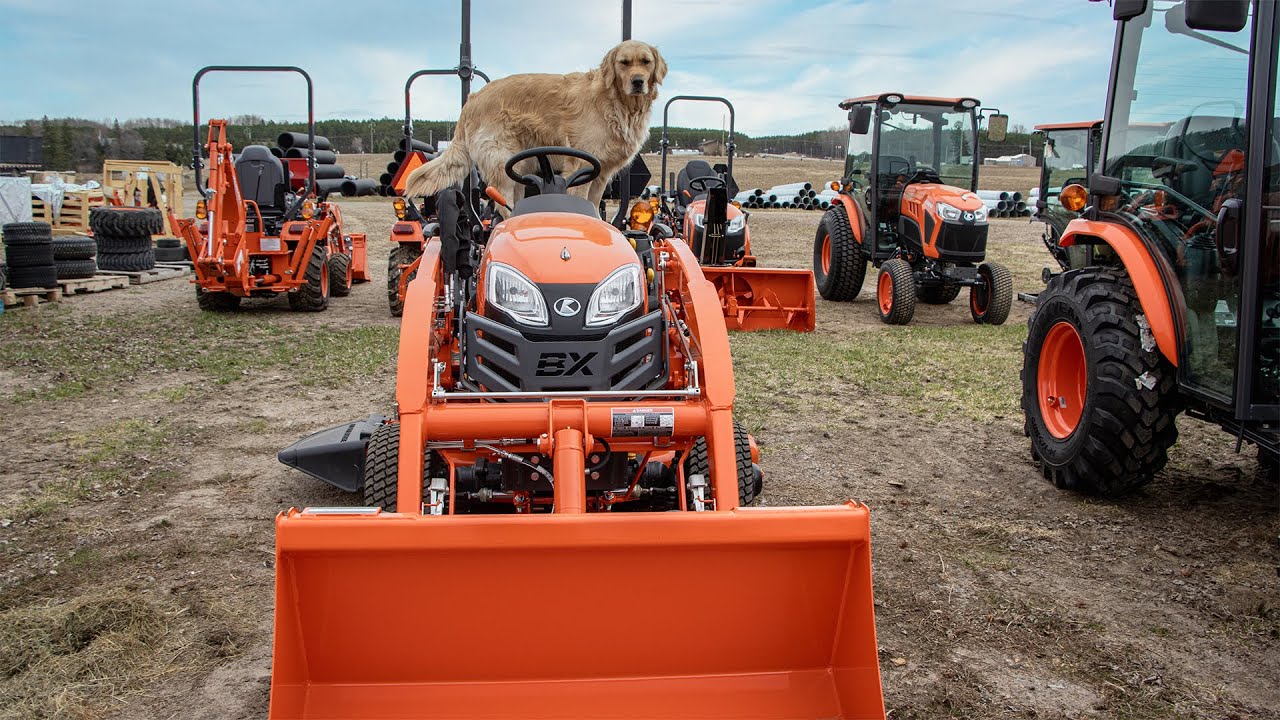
644, 422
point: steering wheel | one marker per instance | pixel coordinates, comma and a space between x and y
702, 183
547, 177
1237, 135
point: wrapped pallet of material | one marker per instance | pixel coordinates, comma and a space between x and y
15, 200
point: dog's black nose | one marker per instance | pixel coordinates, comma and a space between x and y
637, 84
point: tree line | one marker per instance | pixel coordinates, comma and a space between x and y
81, 144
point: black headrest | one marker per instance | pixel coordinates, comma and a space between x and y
555, 203
258, 153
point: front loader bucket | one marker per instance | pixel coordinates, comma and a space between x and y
756, 298
756, 612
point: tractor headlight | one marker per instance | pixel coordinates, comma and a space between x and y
615, 296
736, 224
948, 212
511, 291
980, 215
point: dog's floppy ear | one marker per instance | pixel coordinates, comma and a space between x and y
610, 58
659, 67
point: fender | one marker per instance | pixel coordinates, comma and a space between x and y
1144, 270
854, 212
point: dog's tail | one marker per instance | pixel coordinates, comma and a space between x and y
450, 167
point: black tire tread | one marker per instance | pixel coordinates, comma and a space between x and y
848, 261
1000, 295
904, 292
75, 269
128, 262
40, 276
699, 462
310, 296
401, 254
112, 243
74, 248
1129, 428
126, 221
381, 468
216, 301
338, 265
26, 233
35, 255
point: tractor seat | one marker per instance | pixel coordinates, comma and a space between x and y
555, 203
262, 179
695, 169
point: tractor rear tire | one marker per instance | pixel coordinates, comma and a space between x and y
382, 466
340, 274
699, 463
313, 294
128, 262
113, 244
896, 292
1099, 408
26, 233
216, 301
938, 294
401, 254
74, 248
75, 269
839, 263
990, 305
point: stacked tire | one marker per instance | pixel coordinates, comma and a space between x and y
124, 237
29, 253
171, 250
73, 257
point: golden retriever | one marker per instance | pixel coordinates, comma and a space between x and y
604, 111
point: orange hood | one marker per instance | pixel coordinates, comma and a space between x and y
538, 244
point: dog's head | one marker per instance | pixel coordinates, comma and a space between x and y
634, 69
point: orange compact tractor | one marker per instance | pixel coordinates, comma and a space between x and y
1181, 310
572, 539
908, 206
715, 229
260, 230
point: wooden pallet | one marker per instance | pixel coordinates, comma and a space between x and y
161, 272
41, 211
97, 283
76, 206
30, 297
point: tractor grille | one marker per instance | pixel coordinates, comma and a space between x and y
962, 242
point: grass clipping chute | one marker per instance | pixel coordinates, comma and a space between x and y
756, 612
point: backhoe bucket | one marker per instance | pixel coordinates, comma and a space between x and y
750, 613
755, 298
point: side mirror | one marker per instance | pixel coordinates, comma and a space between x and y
997, 127
860, 120
1217, 15
1128, 9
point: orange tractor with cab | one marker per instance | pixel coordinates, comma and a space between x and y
573, 537
1177, 309
716, 230
908, 205
259, 229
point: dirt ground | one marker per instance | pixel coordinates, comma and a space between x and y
139, 482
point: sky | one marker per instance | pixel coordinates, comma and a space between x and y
784, 65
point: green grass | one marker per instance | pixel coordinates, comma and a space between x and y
61, 355
121, 455
969, 371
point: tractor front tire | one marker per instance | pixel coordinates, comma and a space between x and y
839, 264
699, 463
1099, 407
382, 467
340, 274
313, 294
989, 304
215, 301
401, 254
896, 292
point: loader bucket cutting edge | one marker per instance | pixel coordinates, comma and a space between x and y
755, 612
756, 298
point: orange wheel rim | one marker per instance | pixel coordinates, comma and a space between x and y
1062, 379
884, 293
324, 281
826, 254
979, 297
